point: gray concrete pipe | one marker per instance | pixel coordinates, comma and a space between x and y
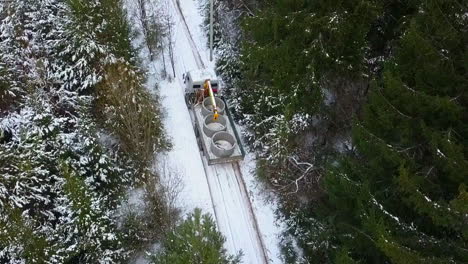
223, 144
207, 107
211, 126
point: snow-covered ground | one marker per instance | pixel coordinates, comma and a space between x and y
229, 192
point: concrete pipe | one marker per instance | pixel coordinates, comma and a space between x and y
211, 126
207, 106
223, 144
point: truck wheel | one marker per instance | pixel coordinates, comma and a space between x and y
189, 100
200, 147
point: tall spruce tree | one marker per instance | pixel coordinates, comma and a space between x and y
403, 197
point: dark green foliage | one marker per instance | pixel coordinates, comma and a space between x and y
96, 57
304, 64
20, 232
94, 223
400, 194
108, 23
131, 113
92, 41
60, 187
297, 43
196, 240
7, 92
103, 62
305, 69
403, 198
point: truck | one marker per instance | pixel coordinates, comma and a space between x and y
212, 121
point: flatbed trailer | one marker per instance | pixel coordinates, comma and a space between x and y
204, 141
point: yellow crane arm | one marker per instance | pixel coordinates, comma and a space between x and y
207, 86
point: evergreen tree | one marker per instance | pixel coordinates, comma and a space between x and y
403, 197
293, 50
16, 40
196, 240
59, 187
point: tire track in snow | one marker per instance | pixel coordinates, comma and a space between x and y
231, 233
245, 196
196, 53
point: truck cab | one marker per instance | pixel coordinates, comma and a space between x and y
195, 79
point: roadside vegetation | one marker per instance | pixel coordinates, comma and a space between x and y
357, 111
181, 238
79, 132
195, 240
78, 128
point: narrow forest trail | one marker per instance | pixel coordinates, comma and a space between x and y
231, 204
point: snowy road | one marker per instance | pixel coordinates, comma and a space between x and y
218, 189
234, 213
231, 204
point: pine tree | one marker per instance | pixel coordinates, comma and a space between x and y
59, 187
15, 38
403, 197
294, 54
196, 240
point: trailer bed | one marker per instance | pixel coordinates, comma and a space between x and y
205, 141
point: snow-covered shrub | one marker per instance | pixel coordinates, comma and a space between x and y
151, 21
17, 43
151, 211
151, 222
101, 61
57, 188
86, 45
7, 92
131, 112
310, 236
